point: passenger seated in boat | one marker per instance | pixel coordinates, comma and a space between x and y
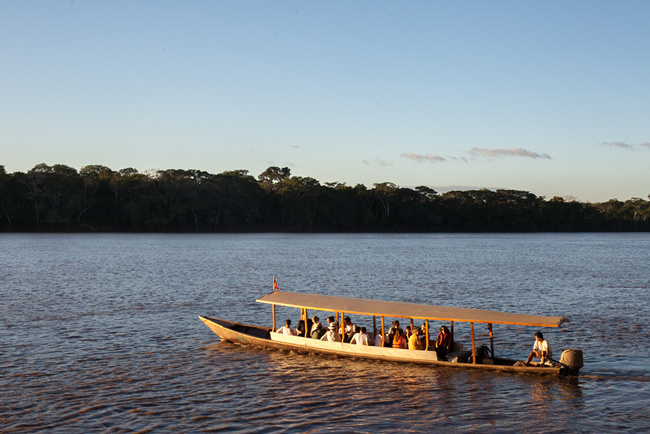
423, 335
300, 330
443, 343
541, 349
414, 341
399, 340
379, 339
330, 321
331, 335
286, 329
350, 334
348, 329
391, 333
317, 331
315, 321
408, 331
360, 338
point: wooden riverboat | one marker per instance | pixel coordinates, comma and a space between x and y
245, 334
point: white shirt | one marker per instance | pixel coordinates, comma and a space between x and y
542, 346
360, 338
330, 336
286, 331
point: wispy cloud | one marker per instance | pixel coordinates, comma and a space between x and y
510, 152
618, 145
378, 161
646, 144
488, 153
457, 187
420, 158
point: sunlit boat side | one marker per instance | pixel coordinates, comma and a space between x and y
245, 334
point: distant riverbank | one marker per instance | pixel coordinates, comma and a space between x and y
97, 199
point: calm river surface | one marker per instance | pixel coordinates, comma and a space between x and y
99, 333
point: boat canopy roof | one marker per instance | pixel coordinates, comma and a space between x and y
395, 309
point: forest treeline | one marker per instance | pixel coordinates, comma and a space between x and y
60, 198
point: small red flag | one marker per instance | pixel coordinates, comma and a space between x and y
275, 284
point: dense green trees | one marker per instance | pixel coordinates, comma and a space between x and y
97, 198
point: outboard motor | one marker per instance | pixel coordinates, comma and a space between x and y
572, 359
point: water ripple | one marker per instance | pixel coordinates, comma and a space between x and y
100, 333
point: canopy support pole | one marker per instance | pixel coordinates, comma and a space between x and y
273, 308
305, 323
302, 318
383, 331
491, 339
426, 330
336, 320
452, 337
473, 346
374, 327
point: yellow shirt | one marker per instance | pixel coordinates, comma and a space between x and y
414, 342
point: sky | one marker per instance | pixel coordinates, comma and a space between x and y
548, 97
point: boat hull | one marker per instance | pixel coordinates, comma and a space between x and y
245, 334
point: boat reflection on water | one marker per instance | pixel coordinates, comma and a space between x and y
300, 388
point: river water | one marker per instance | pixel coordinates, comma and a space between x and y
99, 333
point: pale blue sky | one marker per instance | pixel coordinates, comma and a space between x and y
550, 97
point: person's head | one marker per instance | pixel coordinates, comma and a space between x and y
288, 323
399, 332
347, 320
315, 319
395, 323
539, 336
418, 330
330, 319
363, 329
407, 328
444, 330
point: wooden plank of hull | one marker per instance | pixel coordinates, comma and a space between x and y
262, 336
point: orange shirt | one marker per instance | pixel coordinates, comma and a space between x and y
399, 342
